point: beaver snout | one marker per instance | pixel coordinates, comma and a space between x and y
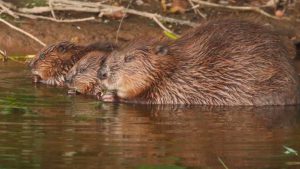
102, 73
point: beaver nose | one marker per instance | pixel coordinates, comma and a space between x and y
102, 73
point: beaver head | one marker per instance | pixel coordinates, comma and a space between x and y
82, 77
51, 64
135, 67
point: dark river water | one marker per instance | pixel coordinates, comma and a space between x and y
43, 127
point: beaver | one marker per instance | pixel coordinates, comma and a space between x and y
82, 77
52, 63
221, 62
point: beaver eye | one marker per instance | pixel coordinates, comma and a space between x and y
128, 58
42, 56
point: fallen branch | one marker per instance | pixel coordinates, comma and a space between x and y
197, 11
52, 10
55, 20
240, 8
7, 10
91, 7
22, 31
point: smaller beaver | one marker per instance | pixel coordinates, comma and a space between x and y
82, 77
52, 63
221, 62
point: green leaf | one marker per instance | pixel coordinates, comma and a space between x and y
290, 150
171, 35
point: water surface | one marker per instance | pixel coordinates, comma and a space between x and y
43, 127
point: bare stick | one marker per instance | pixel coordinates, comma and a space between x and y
22, 31
68, 5
241, 8
7, 10
52, 10
197, 11
55, 20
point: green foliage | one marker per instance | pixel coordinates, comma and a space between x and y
171, 35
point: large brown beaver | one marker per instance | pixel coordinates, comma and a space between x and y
221, 62
82, 77
52, 63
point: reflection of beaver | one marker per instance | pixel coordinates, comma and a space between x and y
82, 77
52, 63
225, 62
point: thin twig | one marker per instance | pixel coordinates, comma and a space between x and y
119, 28
56, 20
197, 11
52, 10
22, 31
68, 5
163, 27
223, 164
241, 8
3, 54
7, 10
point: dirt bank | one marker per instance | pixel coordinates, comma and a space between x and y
49, 32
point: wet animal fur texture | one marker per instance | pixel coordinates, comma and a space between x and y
224, 62
83, 75
52, 63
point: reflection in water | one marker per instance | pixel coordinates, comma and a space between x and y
42, 127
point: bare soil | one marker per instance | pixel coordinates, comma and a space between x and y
15, 43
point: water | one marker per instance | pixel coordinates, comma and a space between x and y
43, 127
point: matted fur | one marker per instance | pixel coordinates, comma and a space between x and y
52, 63
223, 62
83, 75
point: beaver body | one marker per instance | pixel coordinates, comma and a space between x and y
224, 62
52, 63
82, 77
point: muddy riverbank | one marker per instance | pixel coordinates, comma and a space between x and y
105, 29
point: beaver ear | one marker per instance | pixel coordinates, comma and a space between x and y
161, 50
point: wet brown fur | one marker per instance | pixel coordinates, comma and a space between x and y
224, 62
52, 63
83, 75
